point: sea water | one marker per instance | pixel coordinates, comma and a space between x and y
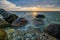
51, 17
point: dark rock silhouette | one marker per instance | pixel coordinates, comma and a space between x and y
8, 16
53, 30
20, 21
40, 16
39, 20
12, 18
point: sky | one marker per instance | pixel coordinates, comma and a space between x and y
34, 5
35, 2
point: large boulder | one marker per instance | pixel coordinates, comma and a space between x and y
12, 19
3, 34
4, 24
39, 20
9, 17
40, 16
53, 30
20, 22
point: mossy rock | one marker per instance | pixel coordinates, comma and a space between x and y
53, 30
3, 34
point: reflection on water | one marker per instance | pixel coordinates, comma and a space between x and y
34, 14
51, 16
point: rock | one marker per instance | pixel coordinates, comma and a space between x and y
53, 30
39, 20
9, 17
12, 19
40, 16
4, 13
4, 24
2, 21
3, 35
20, 22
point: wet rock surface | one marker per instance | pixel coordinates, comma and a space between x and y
40, 16
9, 17
12, 18
3, 34
53, 30
20, 22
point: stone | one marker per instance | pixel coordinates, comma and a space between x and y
3, 34
20, 22
40, 16
53, 30
9, 17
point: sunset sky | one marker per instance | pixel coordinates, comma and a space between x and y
30, 5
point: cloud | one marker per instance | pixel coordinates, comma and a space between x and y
12, 7
35, 2
7, 5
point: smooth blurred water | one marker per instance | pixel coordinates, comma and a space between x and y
52, 16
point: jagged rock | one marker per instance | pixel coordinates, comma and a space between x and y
4, 13
40, 16
2, 22
20, 22
12, 18
9, 17
39, 20
53, 30
5, 25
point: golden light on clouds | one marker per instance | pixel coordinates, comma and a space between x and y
35, 8
12, 7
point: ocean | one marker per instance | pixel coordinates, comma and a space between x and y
51, 16
31, 31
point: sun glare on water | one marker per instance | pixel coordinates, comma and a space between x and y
34, 14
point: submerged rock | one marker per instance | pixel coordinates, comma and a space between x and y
39, 20
20, 22
40, 16
53, 30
